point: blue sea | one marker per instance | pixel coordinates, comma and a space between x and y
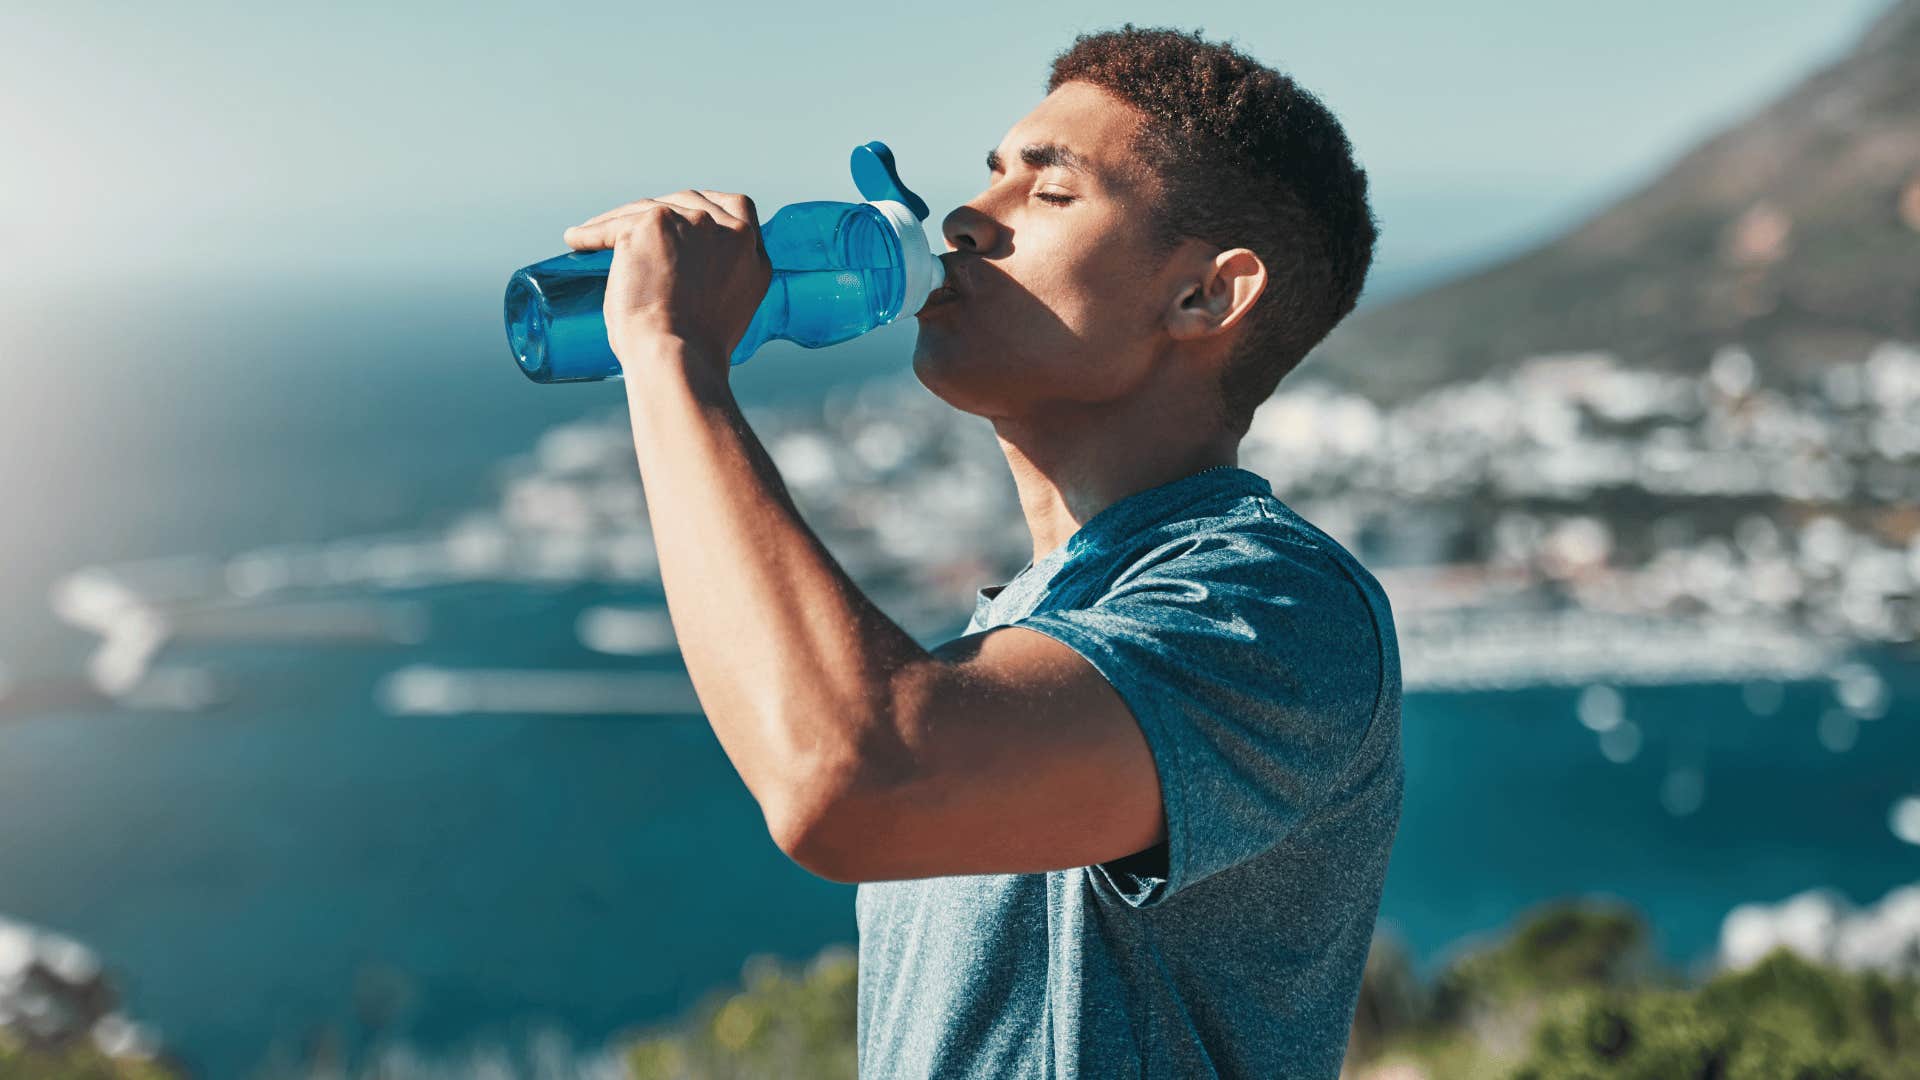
298, 867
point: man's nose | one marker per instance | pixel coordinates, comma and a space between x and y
967, 229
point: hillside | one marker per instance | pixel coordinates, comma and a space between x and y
1795, 233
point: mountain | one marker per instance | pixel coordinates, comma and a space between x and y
1795, 233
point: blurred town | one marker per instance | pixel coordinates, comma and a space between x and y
1572, 521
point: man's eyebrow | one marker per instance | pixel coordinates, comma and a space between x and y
1042, 155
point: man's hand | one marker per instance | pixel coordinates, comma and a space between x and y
689, 266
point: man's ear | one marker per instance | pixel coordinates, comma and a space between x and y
1219, 297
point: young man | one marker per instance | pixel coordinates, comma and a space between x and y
1136, 821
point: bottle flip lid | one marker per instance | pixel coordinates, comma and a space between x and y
878, 179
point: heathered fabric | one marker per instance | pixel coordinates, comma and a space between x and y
1260, 661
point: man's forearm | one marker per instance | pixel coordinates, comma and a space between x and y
795, 667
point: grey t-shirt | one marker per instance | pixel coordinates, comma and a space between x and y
1260, 661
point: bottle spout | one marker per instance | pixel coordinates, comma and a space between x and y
875, 174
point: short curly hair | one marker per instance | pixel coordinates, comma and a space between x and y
1242, 156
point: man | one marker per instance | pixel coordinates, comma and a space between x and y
1136, 821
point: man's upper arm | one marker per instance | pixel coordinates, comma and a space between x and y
1016, 756
1195, 714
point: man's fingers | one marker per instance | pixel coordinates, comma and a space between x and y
619, 211
693, 200
736, 204
730, 209
605, 229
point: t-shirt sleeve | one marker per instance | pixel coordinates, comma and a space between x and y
1253, 669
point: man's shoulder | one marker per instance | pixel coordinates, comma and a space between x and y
1270, 611
1258, 557
1257, 539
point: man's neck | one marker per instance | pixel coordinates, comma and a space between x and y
1068, 470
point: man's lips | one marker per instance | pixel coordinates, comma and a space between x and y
956, 281
952, 289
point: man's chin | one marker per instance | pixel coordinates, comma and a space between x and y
937, 372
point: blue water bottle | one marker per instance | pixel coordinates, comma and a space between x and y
840, 269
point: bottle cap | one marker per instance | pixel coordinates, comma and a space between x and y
879, 182
925, 271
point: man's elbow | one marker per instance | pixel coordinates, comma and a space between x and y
837, 818
827, 824
814, 836
821, 862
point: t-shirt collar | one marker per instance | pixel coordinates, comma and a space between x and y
1134, 512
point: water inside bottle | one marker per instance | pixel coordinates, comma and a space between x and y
840, 287
556, 315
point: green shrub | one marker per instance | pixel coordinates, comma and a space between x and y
781, 1026
80, 1062
1784, 1019
1557, 948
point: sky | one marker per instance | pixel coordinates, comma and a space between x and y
460, 139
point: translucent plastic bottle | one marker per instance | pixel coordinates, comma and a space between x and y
840, 269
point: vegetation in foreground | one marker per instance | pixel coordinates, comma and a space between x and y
782, 1025
1572, 992
75, 1062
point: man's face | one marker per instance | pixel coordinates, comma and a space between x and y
1057, 301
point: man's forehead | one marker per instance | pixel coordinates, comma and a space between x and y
1078, 127
1044, 153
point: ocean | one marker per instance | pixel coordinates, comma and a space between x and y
299, 866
